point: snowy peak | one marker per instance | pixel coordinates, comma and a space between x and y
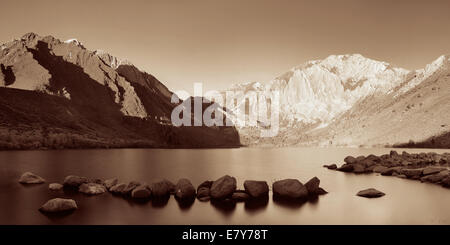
75, 42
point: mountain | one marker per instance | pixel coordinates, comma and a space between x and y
59, 94
350, 100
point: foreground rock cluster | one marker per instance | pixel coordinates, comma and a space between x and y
425, 167
222, 190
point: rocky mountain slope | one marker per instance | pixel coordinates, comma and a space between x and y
59, 94
350, 100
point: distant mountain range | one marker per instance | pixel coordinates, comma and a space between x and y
56, 94
350, 100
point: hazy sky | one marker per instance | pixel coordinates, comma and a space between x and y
224, 42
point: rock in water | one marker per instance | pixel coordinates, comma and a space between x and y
58, 205
289, 188
74, 181
240, 196
331, 166
92, 188
160, 189
380, 169
55, 186
350, 160
203, 194
432, 170
117, 189
110, 183
346, 168
358, 168
370, 193
256, 189
184, 190
130, 187
223, 187
141, 192
30, 178
313, 186
206, 184
170, 185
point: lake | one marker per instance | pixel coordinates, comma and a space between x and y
405, 202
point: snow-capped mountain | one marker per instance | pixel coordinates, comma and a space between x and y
319, 90
320, 94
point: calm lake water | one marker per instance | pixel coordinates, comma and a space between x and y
406, 201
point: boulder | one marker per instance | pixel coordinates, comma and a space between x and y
350, 160
446, 182
31, 178
321, 191
74, 181
379, 169
331, 166
118, 188
373, 158
92, 188
411, 173
203, 194
256, 189
58, 205
206, 184
184, 190
346, 168
370, 193
358, 168
391, 171
110, 183
393, 154
289, 188
223, 187
160, 189
312, 185
141, 192
360, 158
55, 186
130, 187
170, 185
240, 196
431, 170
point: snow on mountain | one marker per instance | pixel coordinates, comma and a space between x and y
319, 90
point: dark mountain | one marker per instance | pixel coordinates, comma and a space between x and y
57, 94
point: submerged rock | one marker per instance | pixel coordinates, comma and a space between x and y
58, 205
141, 192
184, 190
92, 188
118, 188
160, 189
223, 187
130, 187
110, 183
31, 178
240, 196
370, 193
346, 168
379, 169
55, 186
203, 194
350, 160
74, 181
256, 189
312, 185
290, 189
331, 166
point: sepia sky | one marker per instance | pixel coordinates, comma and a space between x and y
229, 41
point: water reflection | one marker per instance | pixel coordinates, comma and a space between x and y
340, 206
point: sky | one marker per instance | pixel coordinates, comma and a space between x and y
223, 42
